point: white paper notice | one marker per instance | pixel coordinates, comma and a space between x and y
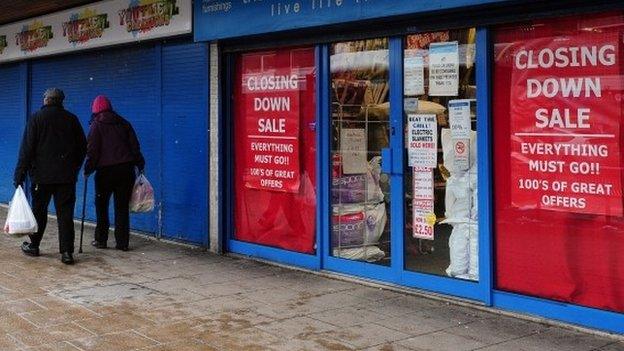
414, 75
423, 217
459, 119
353, 151
444, 69
422, 140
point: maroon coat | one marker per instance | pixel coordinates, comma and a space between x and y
112, 141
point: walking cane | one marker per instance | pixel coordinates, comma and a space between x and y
84, 208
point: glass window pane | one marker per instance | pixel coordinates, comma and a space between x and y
275, 149
557, 113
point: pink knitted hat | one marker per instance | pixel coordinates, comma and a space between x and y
101, 103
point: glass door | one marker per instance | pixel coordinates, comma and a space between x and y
403, 161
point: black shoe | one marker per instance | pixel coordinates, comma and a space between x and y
67, 258
30, 250
123, 248
98, 245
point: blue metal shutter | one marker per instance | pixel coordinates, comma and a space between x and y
185, 142
127, 76
13, 112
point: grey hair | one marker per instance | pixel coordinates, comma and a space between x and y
53, 101
53, 96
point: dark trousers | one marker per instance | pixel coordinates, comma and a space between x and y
116, 181
64, 201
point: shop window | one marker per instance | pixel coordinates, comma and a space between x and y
440, 170
557, 111
360, 111
274, 139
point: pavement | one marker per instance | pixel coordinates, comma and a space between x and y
162, 297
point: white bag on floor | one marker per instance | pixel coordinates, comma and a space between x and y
20, 219
142, 199
366, 253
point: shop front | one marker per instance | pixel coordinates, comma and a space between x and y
443, 147
155, 76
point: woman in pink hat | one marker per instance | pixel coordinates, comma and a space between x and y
113, 153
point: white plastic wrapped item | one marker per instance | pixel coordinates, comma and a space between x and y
459, 243
366, 253
357, 225
20, 219
376, 219
357, 188
349, 189
348, 226
142, 199
473, 266
375, 194
362, 60
458, 199
464, 252
474, 211
356, 229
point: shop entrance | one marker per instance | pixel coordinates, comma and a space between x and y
373, 174
403, 161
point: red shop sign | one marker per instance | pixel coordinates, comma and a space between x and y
272, 130
565, 124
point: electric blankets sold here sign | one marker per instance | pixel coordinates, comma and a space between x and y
565, 124
272, 126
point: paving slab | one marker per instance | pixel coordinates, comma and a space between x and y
553, 339
441, 341
161, 297
366, 335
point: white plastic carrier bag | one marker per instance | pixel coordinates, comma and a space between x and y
142, 199
20, 219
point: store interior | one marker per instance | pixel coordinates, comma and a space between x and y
442, 239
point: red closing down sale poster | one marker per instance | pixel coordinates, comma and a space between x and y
565, 124
272, 126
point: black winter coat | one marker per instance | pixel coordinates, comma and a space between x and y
53, 147
112, 141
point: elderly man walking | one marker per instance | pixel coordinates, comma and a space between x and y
52, 151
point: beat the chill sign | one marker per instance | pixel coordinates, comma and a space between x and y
565, 124
272, 126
